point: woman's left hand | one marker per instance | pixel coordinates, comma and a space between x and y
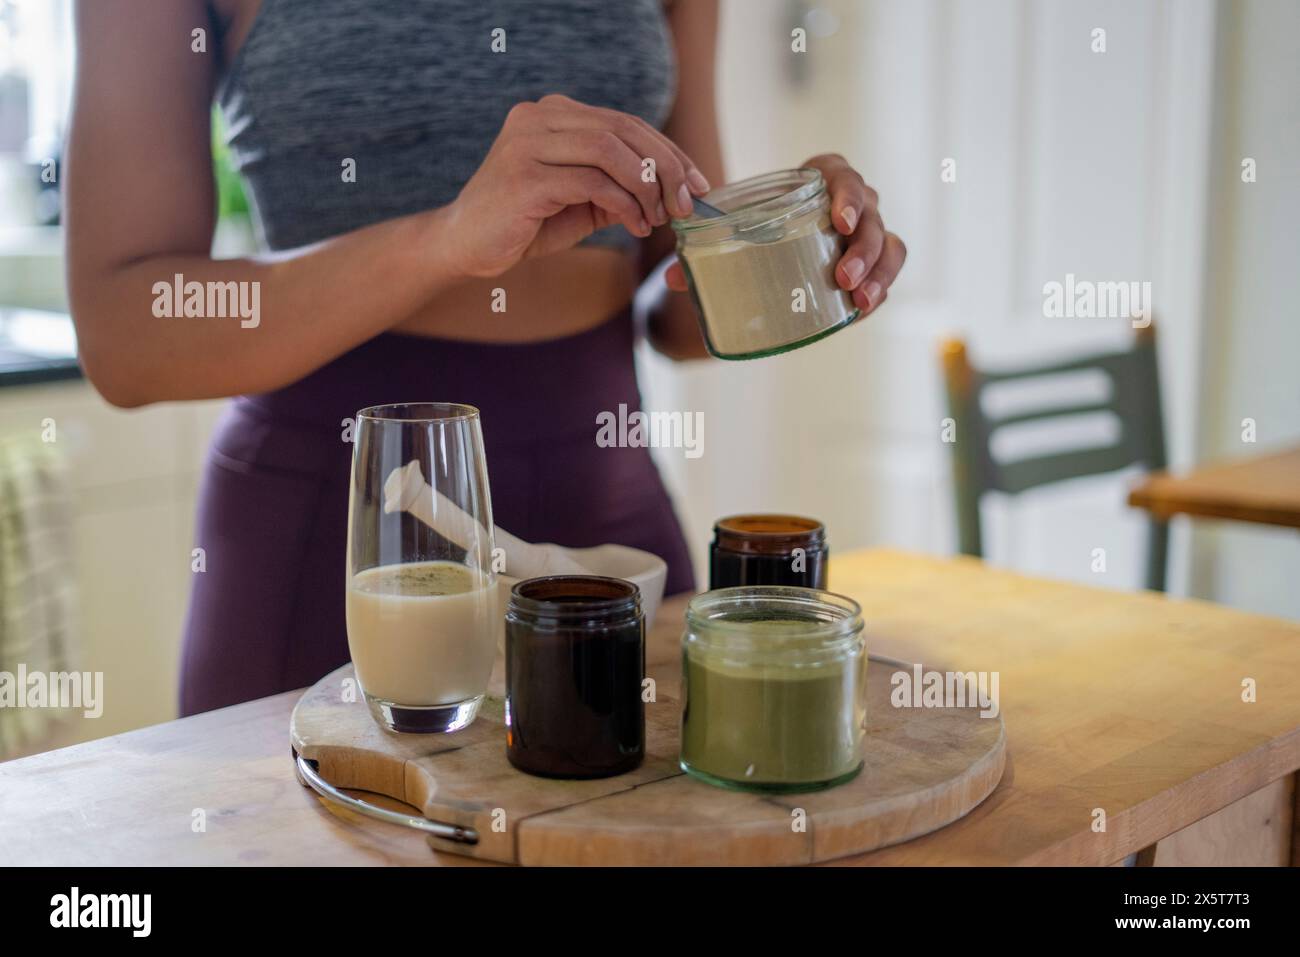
873, 257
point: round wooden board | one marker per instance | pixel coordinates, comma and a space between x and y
925, 767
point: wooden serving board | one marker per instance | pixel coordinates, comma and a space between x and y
924, 769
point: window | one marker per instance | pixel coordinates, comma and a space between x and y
36, 64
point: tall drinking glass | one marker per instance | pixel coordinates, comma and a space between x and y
422, 606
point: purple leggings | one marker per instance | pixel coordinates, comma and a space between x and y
267, 613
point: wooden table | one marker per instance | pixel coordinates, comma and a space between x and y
1127, 704
1263, 489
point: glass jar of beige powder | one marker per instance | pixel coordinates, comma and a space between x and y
762, 273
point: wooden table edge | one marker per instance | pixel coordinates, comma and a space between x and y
1164, 510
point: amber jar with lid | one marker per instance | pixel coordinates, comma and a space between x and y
575, 662
768, 550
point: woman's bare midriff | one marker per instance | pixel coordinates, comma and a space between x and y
545, 298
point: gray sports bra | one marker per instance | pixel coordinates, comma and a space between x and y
412, 91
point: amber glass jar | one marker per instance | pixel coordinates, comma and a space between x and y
768, 550
575, 660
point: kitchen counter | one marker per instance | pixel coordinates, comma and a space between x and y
25, 370
36, 347
1127, 705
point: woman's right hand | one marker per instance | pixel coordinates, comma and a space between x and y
558, 171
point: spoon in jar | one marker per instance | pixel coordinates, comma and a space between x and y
763, 234
704, 210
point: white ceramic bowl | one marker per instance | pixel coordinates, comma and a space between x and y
648, 572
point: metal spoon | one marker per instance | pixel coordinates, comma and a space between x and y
705, 211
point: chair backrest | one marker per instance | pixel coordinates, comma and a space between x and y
1133, 398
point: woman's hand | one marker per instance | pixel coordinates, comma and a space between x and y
558, 171
873, 257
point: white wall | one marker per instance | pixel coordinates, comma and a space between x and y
1253, 328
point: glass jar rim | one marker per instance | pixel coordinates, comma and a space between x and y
597, 597
428, 412
797, 191
827, 622
747, 533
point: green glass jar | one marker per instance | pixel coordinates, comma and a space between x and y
773, 688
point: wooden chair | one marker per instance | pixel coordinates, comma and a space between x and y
1134, 400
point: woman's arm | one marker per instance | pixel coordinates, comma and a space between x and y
139, 209
693, 125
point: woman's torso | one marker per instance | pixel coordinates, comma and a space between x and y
410, 90
410, 95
